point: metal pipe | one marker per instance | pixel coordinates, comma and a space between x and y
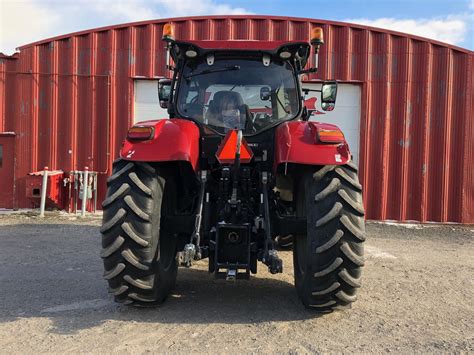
44, 185
192, 250
95, 192
69, 194
76, 186
316, 60
167, 56
266, 215
196, 236
236, 170
207, 215
85, 189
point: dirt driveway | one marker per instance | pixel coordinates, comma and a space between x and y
417, 295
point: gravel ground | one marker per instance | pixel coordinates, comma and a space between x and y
417, 296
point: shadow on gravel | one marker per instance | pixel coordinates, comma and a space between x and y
54, 271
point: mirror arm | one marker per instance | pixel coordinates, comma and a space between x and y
171, 106
305, 114
306, 91
168, 65
316, 62
307, 71
167, 60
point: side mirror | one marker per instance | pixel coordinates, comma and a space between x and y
328, 95
265, 93
164, 91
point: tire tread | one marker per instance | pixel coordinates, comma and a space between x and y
335, 236
131, 235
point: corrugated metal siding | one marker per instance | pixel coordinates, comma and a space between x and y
467, 186
71, 102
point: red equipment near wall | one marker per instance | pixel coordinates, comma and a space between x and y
70, 101
56, 194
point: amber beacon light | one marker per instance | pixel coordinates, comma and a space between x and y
168, 32
317, 37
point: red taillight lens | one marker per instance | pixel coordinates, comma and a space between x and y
139, 133
330, 136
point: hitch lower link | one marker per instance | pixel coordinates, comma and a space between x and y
192, 250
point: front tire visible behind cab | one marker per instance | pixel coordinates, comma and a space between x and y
328, 259
139, 259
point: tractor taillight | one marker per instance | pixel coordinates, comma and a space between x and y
330, 135
140, 133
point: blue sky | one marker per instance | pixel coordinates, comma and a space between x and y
342, 9
25, 21
428, 18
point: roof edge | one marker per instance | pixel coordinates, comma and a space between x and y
6, 56
282, 18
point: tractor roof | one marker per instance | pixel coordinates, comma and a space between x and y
236, 47
249, 45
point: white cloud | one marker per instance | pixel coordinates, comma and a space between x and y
26, 21
196, 7
131, 10
471, 5
449, 29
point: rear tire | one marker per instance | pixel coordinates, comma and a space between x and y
328, 259
139, 260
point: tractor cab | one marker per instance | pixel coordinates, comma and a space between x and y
245, 85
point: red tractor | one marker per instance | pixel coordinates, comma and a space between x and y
237, 165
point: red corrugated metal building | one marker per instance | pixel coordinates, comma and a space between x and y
69, 101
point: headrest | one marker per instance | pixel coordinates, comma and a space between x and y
223, 98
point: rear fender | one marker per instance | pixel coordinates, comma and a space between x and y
173, 140
297, 142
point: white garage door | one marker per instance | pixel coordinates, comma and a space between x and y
346, 114
146, 105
